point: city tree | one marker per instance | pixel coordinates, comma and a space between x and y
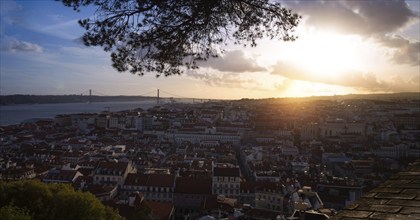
10, 212
167, 37
35, 200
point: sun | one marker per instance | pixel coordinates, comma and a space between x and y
327, 54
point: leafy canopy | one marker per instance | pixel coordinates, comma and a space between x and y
14, 213
35, 200
163, 36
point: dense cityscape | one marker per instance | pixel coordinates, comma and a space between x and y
244, 159
200, 109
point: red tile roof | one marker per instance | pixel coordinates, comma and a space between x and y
161, 210
111, 167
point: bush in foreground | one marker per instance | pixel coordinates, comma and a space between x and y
35, 200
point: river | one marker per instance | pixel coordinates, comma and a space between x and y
15, 114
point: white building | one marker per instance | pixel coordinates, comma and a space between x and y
196, 138
226, 181
337, 127
112, 173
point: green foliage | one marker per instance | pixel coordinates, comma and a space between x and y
53, 201
143, 213
14, 213
163, 36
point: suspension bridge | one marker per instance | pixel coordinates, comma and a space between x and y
158, 94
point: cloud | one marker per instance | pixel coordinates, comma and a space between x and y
69, 29
83, 52
233, 61
328, 15
227, 80
348, 79
351, 78
374, 19
406, 51
10, 12
397, 84
383, 16
408, 54
283, 86
356, 17
393, 41
79, 41
10, 15
14, 45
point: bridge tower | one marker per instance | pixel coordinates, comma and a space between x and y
157, 97
90, 96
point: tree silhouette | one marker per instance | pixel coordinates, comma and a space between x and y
166, 37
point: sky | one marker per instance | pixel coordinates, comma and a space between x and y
343, 47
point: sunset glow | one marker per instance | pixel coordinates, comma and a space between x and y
335, 53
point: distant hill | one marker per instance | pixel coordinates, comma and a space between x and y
51, 99
384, 96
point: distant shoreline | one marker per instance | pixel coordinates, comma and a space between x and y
18, 113
59, 99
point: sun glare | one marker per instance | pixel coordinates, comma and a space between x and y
304, 89
326, 54
319, 57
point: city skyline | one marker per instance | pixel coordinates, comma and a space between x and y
343, 47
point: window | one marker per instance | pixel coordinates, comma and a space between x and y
334, 192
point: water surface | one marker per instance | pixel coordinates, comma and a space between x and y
15, 114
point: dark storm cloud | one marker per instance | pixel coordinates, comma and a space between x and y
233, 61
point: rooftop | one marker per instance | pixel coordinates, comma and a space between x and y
191, 185
396, 198
226, 171
157, 180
